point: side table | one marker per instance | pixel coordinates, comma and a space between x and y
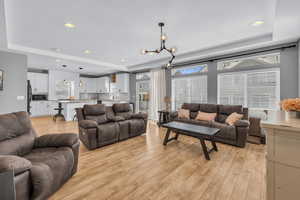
164, 117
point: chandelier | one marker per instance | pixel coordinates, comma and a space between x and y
163, 38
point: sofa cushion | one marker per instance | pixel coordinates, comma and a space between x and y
124, 115
206, 116
51, 167
193, 115
16, 134
226, 131
121, 107
226, 110
193, 107
108, 132
208, 108
183, 114
94, 110
100, 119
136, 127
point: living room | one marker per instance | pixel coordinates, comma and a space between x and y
149, 100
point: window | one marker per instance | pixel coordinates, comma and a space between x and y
270, 60
189, 70
253, 89
191, 89
142, 92
143, 76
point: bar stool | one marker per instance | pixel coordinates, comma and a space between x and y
59, 114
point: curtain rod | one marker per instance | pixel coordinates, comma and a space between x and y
227, 56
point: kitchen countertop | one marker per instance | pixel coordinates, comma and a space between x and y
76, 100
278, 120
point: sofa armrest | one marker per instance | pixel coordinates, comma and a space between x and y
56, 140
242, 123
14, 163
242, 135
255, 127
88, 124
173, 115
139, 116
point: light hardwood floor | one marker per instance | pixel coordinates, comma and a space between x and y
141, 168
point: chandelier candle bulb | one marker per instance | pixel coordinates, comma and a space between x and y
164, 37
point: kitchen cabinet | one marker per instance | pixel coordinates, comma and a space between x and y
39, 82
39, 108
283, 161
102, 85
122, 83
88, 85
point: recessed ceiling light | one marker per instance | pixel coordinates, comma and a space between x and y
258, 23
87, 51
70, 25
123, 60
58, 60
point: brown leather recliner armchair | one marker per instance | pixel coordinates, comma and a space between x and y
41, 165
100, 125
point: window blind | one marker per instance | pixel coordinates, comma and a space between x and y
189, 90
256, 90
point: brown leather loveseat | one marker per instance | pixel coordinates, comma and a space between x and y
234, 135
41, 165
100, 125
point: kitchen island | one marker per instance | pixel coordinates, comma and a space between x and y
283, 160
69, 106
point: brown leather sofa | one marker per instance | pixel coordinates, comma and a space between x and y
233, 135
41, 165
100, 125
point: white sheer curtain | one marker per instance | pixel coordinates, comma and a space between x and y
158, 92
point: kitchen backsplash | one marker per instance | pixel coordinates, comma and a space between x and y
114, 96
105, 96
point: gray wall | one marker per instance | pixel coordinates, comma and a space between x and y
132, 87
289, 75
299, 68
15, 82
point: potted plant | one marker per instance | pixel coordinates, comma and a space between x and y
291, 108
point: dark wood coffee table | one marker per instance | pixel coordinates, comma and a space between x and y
201, 132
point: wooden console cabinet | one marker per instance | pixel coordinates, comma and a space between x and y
283, 158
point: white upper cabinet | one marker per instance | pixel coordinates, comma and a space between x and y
103, 85
122, 83
39, 82
88, 85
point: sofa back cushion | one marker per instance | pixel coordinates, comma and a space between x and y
95, 112
226, 110
208, 108
192, 107
16, 134
123, 110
